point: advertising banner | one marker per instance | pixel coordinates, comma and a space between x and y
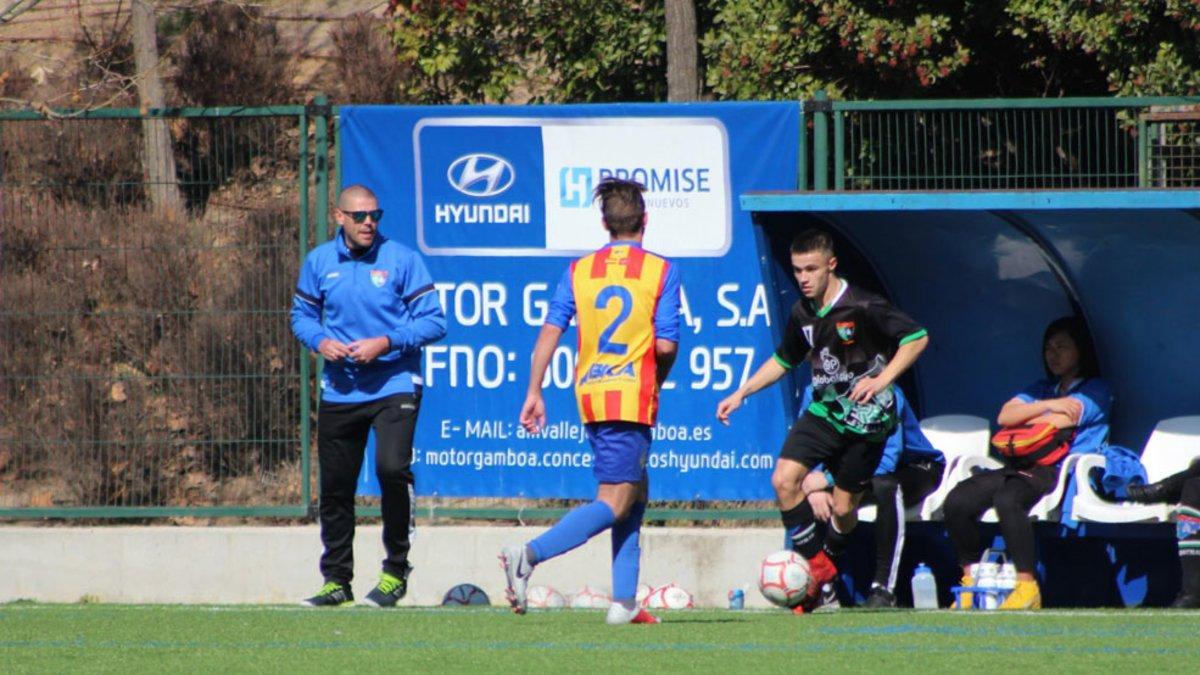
497, 200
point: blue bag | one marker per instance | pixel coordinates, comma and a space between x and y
1122, 468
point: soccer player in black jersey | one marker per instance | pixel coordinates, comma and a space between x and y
858, 345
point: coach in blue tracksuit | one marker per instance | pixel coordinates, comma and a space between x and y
367, 304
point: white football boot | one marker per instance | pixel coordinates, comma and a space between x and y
517, 569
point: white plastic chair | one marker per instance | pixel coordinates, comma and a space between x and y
1173, 445
1048, 507
959, 438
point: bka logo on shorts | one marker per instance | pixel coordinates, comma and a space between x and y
845, 330
379, 278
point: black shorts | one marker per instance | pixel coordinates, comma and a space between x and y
852, 459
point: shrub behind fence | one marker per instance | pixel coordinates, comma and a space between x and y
149, 362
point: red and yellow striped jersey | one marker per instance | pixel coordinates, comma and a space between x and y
617, 290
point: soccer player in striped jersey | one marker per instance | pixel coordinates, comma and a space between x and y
626, 304
857, 345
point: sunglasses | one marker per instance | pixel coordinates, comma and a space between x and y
360, 216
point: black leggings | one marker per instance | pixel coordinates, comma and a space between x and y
1013, 493
1175, 482
893, 493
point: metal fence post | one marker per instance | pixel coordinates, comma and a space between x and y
305, 393
1143, 152
839, 151
321, 114
820, 106
802, 178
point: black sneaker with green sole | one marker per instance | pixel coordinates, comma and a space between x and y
390, 590
332, 594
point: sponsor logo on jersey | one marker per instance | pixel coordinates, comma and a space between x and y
602, 371
829, 362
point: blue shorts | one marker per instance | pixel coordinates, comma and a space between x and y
620, 449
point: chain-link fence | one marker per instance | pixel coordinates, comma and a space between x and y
147, 263
146, 266
1172, 147
1006, 144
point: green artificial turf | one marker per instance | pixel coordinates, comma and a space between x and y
234, 639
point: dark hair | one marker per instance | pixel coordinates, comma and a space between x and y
1074, 328
813, 240
621, 204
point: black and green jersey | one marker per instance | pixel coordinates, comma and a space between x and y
851, 338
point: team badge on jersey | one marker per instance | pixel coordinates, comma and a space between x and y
845, 330
379, 278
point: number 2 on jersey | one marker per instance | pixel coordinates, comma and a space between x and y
603, 299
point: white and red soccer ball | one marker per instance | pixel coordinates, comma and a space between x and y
783, 578
643, 592
544, 597
590, 598
671, 596
465, 594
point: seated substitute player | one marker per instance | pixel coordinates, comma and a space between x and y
626, 301
858, 345
1181, 488
1071, 395
911, 469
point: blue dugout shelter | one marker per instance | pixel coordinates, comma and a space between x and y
985, 272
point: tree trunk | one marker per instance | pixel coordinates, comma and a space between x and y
158, 157
683, 79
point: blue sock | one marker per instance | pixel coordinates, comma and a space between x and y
627, 554
573, 531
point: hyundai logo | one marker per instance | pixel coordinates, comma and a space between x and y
481, 175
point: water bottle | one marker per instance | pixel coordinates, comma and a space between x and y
985, 578
924, 588
737, 599
1006, 579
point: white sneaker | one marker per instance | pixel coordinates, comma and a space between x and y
517, 569
621, 613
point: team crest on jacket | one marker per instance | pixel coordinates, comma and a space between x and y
845, 330
379, 278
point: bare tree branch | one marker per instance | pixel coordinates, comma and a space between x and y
16, 8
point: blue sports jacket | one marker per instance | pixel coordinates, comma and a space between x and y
384, 291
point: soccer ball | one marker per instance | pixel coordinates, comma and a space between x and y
643, 593
670, 596
465, 594
590, 598
544, 597
783, 578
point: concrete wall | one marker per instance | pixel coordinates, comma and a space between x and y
279, 564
